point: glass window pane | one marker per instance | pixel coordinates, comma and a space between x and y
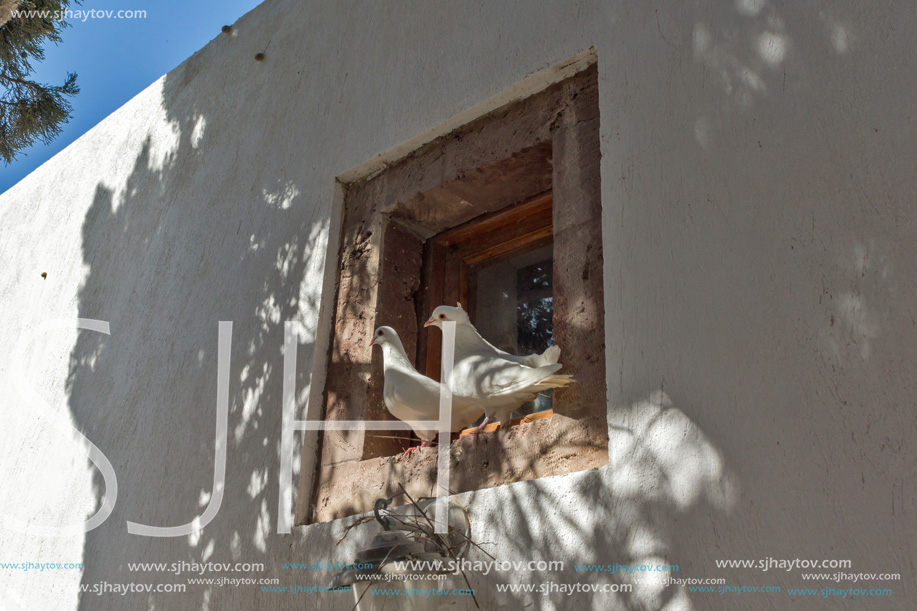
514, 306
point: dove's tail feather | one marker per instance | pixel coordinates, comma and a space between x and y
548, 357
558, 381
551, 355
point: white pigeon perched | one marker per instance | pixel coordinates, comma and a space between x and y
410, 395
500, 381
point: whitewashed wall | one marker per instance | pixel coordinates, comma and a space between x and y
758, 182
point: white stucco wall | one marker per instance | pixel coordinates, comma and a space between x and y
758, 180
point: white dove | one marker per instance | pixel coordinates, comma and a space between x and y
410, 395
500, 381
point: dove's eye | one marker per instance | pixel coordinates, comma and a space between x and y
442, 317
379, 333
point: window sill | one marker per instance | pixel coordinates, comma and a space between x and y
548, 446
513, 422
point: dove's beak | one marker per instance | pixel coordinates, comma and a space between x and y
372, 342
428, 323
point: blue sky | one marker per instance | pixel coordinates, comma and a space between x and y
115, 59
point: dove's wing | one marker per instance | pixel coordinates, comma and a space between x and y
483, 375
413, 396
548, 357
501, 385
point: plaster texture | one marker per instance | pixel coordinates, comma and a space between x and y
760, 244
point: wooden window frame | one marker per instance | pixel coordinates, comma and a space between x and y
435, 198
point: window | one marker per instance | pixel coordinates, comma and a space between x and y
478, 264
503, 215
512, 304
